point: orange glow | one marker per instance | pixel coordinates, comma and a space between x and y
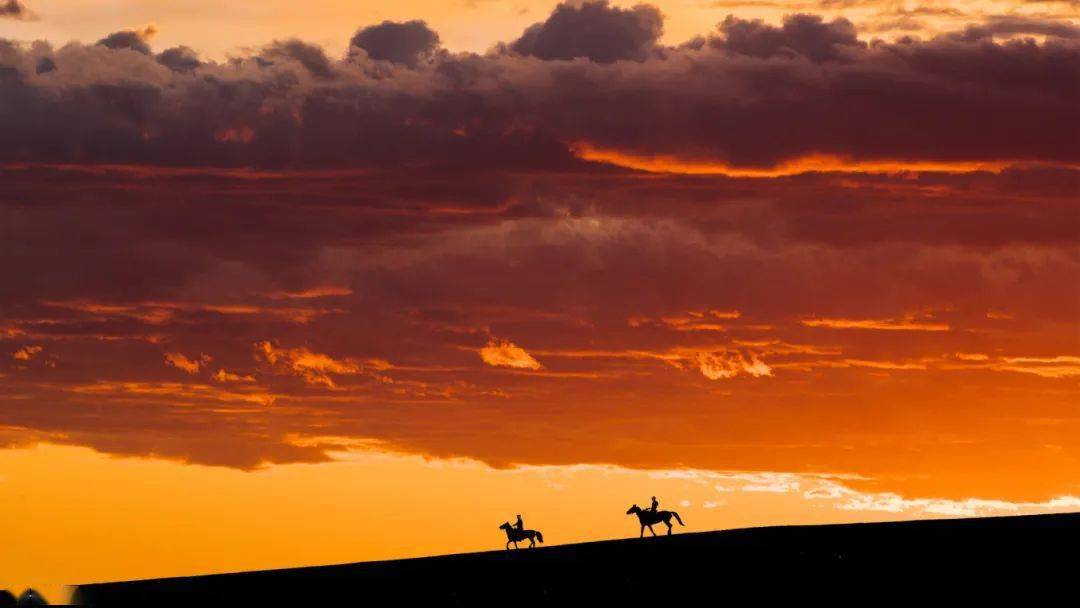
271, 300
174, 390
314, 368
718, 366
814, 163
905, 324
181, 362
137, 518
27, 353
502, 353
324, 291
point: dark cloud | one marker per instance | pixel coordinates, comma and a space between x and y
14, 9
133, 40
754, 95
179, 58
310, 56
594, 30
433, 261
406, 43
800, 36
45, 65
1007, 25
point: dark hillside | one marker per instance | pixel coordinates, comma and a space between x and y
1006, 558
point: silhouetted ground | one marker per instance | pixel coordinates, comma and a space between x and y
30, 597
1016, 559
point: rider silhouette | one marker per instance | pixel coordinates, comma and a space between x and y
519, 525
655, 505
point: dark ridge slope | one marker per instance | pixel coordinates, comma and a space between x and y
1017, 558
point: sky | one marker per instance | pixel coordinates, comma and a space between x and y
290, 284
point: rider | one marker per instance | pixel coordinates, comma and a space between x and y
519, 525
655, 505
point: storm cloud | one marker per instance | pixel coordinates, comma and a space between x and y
132, 40
751, 95
805, 36
403, 43
594, 30
14, 9
179, 58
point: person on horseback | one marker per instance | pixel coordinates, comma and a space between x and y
516, 533
650, 516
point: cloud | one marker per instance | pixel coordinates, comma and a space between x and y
311, 57
755, 97
907, 323
767, 482
170, 391
132, 40
314, 368
179, 59
849, 499
183, 363
813, 163
801, 35
447, 198
161, 312
27, 353
406, 43
503, 353
708, 320
724, 365
323, 291
14, 9
595, 30
223, 377
1007, 25
1062, 366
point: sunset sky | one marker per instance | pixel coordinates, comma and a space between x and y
295, 283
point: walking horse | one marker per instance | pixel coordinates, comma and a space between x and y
648, 518
513, 535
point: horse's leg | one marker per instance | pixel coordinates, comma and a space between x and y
651, 530
507, 545
668, 522
532, 542
642, 531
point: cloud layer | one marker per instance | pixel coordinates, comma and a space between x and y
269, 258
749, 95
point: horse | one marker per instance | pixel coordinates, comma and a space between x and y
513, 535
648, 518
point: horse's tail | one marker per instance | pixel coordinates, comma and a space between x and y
539, 536
676, 515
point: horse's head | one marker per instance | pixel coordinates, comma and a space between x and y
633, 509
505, 526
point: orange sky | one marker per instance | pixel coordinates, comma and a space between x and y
138, 518
929, 400
269, 302
218, 29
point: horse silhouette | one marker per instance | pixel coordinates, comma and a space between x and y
513, 535
648, 518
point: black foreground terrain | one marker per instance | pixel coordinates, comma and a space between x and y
1023, 560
